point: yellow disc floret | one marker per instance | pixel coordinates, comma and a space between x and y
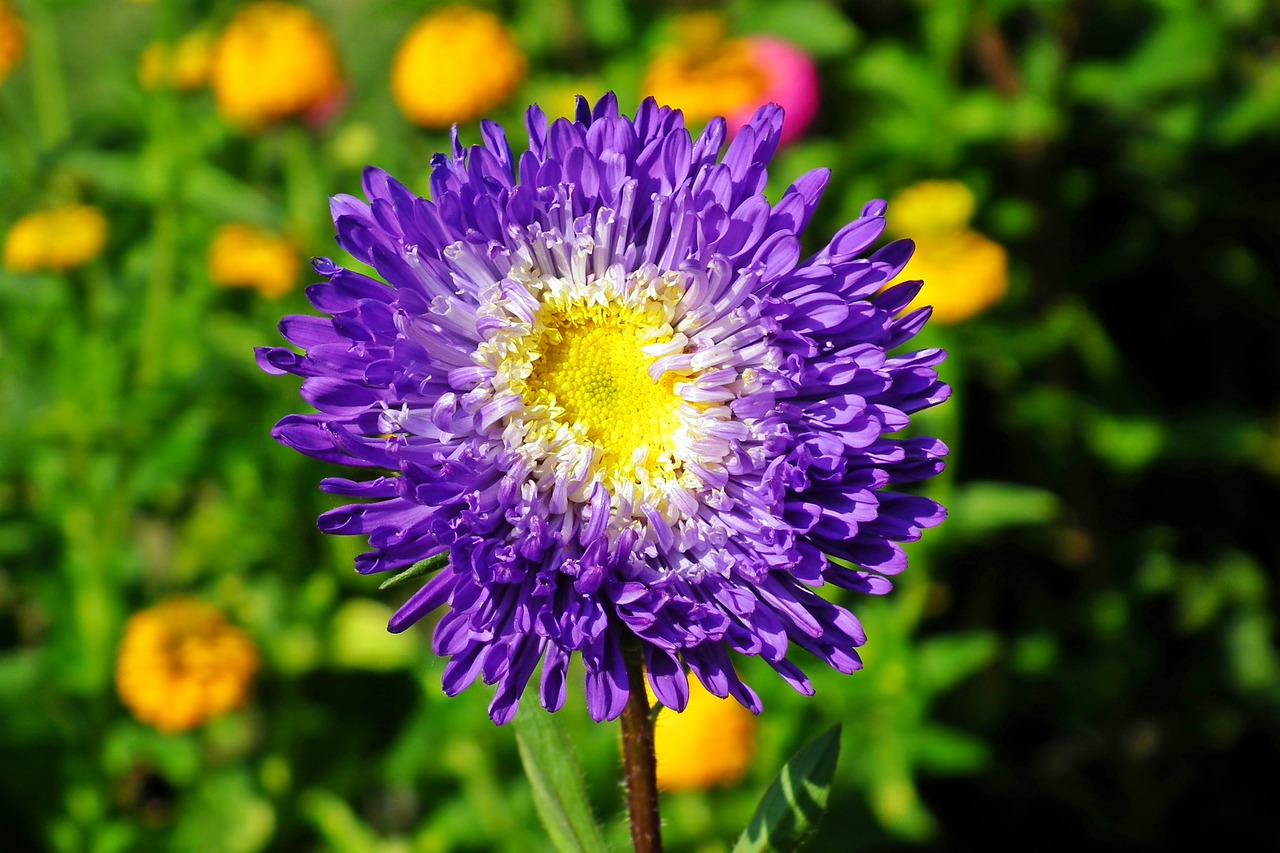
596, 387
455, 64
592, 365
181, 664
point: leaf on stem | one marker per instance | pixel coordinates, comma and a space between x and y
558, 790
797, 799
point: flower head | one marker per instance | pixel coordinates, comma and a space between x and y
454, 65
710, 743
274, 60
603, 380
13, 39
705, 74
183, 66
181, 664
57, 239
244, 256
965, 273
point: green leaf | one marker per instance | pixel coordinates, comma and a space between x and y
947, 659
558, 790
984, 507
795, 802
417, 570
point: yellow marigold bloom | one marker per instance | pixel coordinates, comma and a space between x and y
181, 664
710, 743
12, 39
930, 208
56, 239
705, 74
455, 64
964, 273
274, 60
184, 66
243, 256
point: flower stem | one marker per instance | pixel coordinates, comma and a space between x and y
639, 760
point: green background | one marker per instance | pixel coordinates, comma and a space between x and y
1084, 654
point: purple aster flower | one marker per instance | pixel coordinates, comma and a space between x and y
603, 380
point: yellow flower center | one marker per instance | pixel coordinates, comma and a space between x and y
598, 387
593, 366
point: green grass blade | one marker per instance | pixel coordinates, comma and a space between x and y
796, 800
558, 789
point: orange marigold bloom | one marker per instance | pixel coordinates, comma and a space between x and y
244, 256
13, 38
704, 74
455, 64
710, 743
181, 664
274, 60
964, 273
56, 239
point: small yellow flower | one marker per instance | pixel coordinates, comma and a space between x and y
12, 39
455, 64
181, 664
184, 66
56, 239
274, 60
964, 273
244, 256
931, 208
710, 743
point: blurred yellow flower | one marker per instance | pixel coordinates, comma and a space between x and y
705, 74
12, 39
184, 66
455, 64
274, 60
710, 743
964, 273
244, 256
181, 664
931, 208
56, 239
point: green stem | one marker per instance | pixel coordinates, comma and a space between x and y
639, 758
161, 166
304, 187
49, 93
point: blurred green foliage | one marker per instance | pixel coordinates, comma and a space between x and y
1085, 654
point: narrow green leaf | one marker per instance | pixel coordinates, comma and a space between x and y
796, 801
417, 570
558, 790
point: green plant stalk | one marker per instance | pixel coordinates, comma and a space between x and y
48, 90
304, 185
639, 758
160, 169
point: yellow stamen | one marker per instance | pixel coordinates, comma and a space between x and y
593, 366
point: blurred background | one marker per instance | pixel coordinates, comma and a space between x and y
1083, 655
